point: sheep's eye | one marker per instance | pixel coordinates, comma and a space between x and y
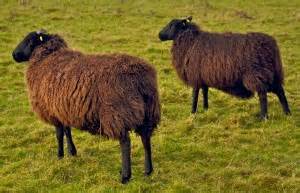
41, 38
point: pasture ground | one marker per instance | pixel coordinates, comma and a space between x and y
225, 149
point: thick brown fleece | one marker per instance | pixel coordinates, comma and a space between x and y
239, 64
103, 94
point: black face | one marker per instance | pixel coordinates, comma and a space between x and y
25, 48
170, 31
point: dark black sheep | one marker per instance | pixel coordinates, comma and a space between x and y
239, 64
106, 94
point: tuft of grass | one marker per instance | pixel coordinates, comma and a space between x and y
224, 149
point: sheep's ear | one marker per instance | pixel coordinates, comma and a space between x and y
41, 31
42, 35
187, 20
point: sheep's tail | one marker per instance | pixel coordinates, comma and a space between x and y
152, 110
279, 77
149, 91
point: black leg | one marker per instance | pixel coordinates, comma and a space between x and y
281, 96
263, 105
195, 99
70, 144
205, 97
147, 149
60, 141
126, 162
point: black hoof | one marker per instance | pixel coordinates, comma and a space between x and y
125, 180
288, 113
59, 157
73, 152
149, 172
263, 117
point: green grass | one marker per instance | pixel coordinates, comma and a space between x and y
225, 149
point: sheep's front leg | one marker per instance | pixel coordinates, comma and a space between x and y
126, 162
60, 141
263, 105
205, 97
195, 99
147, 149
71, 147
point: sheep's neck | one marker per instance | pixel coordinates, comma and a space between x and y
39, 56
49, 48
181, 45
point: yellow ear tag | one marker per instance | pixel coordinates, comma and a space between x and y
41, 38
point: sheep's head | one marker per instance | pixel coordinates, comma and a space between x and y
25, 48
170, 31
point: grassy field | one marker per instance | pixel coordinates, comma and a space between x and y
225, 149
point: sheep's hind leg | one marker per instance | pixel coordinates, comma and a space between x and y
263, 105
205, 97
146, 140
252, 84
279, 91
60, 141
195, 99
71, 147
126, 161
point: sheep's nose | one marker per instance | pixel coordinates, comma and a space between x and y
14, 55
161, 36
17, 56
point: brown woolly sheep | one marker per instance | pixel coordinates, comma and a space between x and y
239, 64
104, 94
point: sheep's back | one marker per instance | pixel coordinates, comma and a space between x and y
221, 60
